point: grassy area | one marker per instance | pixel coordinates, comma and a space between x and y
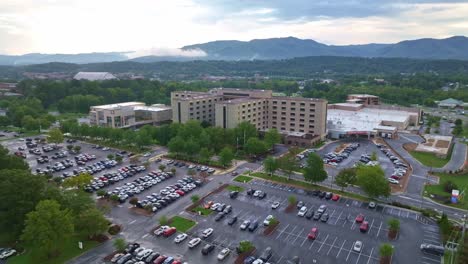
182, 224
235, 188
306, 185
69, 250
460, 180
132, 149
430, 159
202, 210
242, 178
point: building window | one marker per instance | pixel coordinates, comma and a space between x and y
275, 102
283, 118
274, 122
293, 109
301, 125
301, 130
301, 120
191, 108
302, 109
302, 115
292, 124
312, 105
274, 107
311, 126
283, 128
311, 116
283, 103
283, 108
283, 113
274, 112
292, 119
302, 104
293, 103
292, 129
292, 114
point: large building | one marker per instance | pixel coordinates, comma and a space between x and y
302, 121
365, 99
129, 114
94, 76
369, 119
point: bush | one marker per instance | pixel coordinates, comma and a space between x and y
429, 212
449, 186
120, 244
114, 229
163, 220
398, 204
245, 246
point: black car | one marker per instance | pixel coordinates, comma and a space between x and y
207, 249
253, 226
324, 217
131, 247
219, 216
309, 214
233, 194
250, 191
322, 195
315, 192
232, 220
261, 195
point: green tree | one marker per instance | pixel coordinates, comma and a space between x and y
12, 162
133, 201
372, 181
245, 246
163, 220
101, 193
288, 164
120, 244
374, 156
162, 167
176, 145
79, 181
226, 156
255, 146
270, 164
69, 147
292, 199
244, 131
47, 227
272, 137
345, 177
205, 155
55, 136
386, 250
30, 123
110, 156
91, 223
314, 171
195, 198
173, 170
118, 159
394, 225
114, 197
191, 172
77, 148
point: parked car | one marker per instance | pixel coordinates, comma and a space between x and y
267, 220
207, 232
313, 233
432, 249
179, 238
275, 205
244, 225
207, 249
364, 226
194, 242
357, 246
232, 220
253, 226
223, 253
359, 218
302, 211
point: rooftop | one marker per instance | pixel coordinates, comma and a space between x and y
118, 105
151, 108
363, 95
94, 76
240, 100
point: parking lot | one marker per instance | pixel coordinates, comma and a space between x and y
336, 237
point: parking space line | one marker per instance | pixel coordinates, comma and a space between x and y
131, 222
380, 227
313, 242
350, 250
289, 233
407, 215
332, 213
359, 254
370, 255
344, 223
323, 243
297, 236
339, 217
305, 239
371, 225
281, 232
431, 240
435, 260
332, 246
337, 255
399, 212
354, 225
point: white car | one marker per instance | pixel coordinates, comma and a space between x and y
245, 224
179, 238
302, 211
215, 206
224, 253
147, 154
256, 193
194, 242
117, 257
207, 232
357, 246
160, 230
267, 220
275, 205
7, 253
391, 180
258, 261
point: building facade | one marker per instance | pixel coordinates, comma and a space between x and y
129, 114
364, 99
301, 121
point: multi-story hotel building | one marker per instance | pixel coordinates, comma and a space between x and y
302, 121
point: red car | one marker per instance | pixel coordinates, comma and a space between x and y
180, 192
335, 197
208, 204
359, 218
169, 232
313, 233
160, 259
177, 262
364, 226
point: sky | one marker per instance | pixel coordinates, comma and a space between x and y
162, 26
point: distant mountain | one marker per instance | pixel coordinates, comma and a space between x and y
290, 47
81, 58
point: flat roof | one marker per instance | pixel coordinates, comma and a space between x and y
363, 95
349, 105
241, 100
118, 105
298, 98
152, 108
366, 119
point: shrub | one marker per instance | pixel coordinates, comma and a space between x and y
120, 244
114, 229
449, 186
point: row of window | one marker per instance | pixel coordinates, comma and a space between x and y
292, 103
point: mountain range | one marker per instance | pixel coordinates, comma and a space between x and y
271, 49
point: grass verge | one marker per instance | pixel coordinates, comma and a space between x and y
69, 250
431, 160
182, 224
242, 178
235, 188
307, 185
202, 211
438, 190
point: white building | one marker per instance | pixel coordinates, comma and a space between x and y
94, 76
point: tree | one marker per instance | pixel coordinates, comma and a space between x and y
55, 136
374, 156
114, 197
77, 148
120, 244
69, 147
91, 223
292, 199
314, 171
163, 220
272, 137
345, 177
47, 227
20, 191
288, 164
270, 164
162, 167
255, 146
133, 201
393, 225
101, 193
176, 145
173, 170
226, 156
118, 159
385, 251
245, 246
191, 172
79, 181
134, 159
372, 181
205, 155
195, 198
110, 156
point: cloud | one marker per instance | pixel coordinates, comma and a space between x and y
167, 52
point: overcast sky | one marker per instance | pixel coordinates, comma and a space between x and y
157, 26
